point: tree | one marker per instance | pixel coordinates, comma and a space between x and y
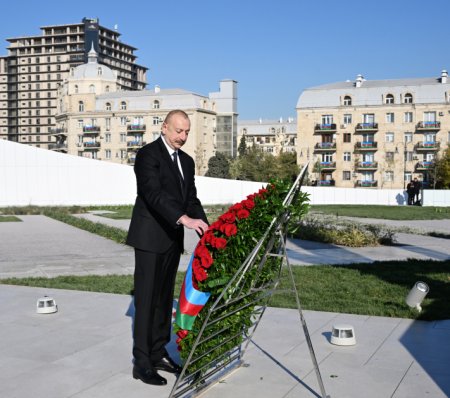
442, 170
242, 148
218, 166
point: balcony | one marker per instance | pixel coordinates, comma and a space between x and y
135, 144
327, 166
325, 128
366, 146
367, 165
91, 129
428, 126
427, 146
366, 127
92, 145
325, 147
325, 183
366, 184
135, 127
424, 165
58, 147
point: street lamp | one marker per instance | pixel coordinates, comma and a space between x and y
404, 161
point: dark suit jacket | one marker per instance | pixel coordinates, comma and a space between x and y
160, 199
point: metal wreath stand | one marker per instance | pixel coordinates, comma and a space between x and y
241, 293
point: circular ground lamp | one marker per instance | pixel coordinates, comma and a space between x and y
343, 335
46, 305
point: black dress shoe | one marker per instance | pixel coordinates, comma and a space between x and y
148, 376
168, 365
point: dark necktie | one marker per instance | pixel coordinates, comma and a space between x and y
180, 176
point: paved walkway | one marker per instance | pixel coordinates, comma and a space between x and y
84, 350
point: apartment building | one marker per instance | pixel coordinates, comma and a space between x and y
96, 119
36, 65
273, 136
374, 133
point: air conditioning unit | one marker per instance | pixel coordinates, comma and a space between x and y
415, 158
441, 113
343, 126
79, 144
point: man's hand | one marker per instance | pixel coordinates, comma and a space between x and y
194, 223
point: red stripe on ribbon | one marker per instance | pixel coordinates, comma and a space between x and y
185, 306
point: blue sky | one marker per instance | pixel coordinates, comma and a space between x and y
274, 49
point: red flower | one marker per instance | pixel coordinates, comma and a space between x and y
236, 207
243, 213
208, 237
220, 243
206, 261
229, 229
201, 251
178, 340
182, 333
215, 226
179, 348
200, 274
262, 192
248, 204
228, 218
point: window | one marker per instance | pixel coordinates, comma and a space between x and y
123, 121
108, 106
123, 154
75, 89
389, 156
409, 156
389, 99
347, 156
108, 123
408, 98
327, 119
347, 100
123, 105
346, 175
80, 106
156, 104
99, 71
388, 176
429, 116
92, 88
408, 117
107, 89
347, 137
347, 118
155, 120
327, 157
408, 176
368, 118
123, 137
108, 154
390, 117
408, 137
80, 123
108, 137
389, 137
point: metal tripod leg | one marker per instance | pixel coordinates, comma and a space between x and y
303, 322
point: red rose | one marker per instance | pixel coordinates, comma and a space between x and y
201, 251
200, 274
248, 204
178, 340
229, 229
228, 218
206, 261
208, 237
243, 213
236, 207
262, 192
220, 243
215, 226
182, 333
251, 197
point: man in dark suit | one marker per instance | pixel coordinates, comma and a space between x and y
166, 203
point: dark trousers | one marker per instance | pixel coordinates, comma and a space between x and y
154, 282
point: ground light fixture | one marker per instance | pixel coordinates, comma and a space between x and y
417, 294
46, 305
343, 335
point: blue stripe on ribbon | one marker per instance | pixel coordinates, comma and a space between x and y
193, 295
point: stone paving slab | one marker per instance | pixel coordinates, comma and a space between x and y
84, 351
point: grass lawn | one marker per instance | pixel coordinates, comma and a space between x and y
368, 289
9, 219
385, 212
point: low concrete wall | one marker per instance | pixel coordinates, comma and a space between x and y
33, 176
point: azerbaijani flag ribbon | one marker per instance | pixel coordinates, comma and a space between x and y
191, 301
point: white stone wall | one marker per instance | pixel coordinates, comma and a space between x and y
33, 176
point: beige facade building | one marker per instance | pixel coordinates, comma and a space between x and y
97, 120
380, 133
36, 65
273, 136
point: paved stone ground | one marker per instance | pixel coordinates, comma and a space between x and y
84, 350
